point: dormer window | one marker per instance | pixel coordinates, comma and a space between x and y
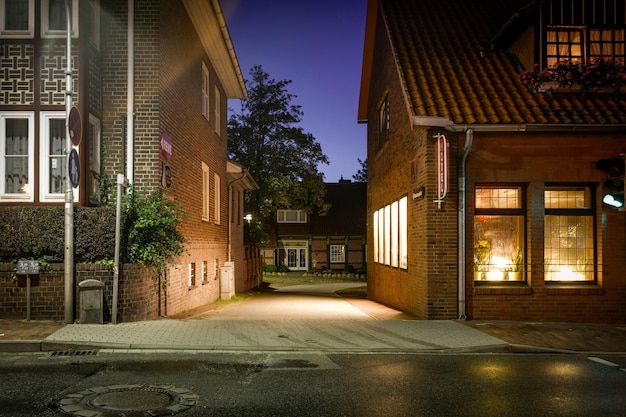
577, 44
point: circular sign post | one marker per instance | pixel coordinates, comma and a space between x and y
73, 168
75, 126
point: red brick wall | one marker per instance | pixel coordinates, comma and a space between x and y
404, 165
138, 292
536, 159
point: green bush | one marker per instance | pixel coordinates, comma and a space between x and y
152, 223
150, 233
283, 268
269, 268
39, 233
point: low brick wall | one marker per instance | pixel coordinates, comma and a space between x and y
138, 292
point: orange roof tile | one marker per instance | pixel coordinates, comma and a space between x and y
441, 47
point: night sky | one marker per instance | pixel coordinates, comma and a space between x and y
318, 45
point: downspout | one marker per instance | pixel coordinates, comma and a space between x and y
130, 103
230, 212
462, 314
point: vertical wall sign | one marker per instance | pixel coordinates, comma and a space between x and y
443, 180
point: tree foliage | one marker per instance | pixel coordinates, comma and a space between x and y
264, 136
361, 174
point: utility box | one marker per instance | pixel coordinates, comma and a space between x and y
227, 281
91, 301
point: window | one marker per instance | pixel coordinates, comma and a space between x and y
383, 122
53, 18
569, 250
568, 44
53, 161
390, 234
17, 18
606, 43
218, 110
205, 272
205, 91
218, 198
499, 233
17, 165
291, 216
337, 254
94, 159
205, 192
564, 44
192, 274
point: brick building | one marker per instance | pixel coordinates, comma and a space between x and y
151, 80
311, 242
485, 199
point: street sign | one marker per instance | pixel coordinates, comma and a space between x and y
27, 267
166, 146
73, 168
75, 126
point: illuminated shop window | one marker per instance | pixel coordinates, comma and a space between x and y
499, 233
569, 248
390, 234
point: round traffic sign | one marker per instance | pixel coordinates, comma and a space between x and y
75, 126
73, 168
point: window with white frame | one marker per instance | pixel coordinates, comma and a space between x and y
17, 18
192, 274
218, 111
390, 234
337, 254
205, 91
569, 234
53, 18
94, 158
52, 158
205, 192
218, 198
291, 216
17, 156
205, 272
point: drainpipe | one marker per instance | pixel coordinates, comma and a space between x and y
130, 104
230, 212
469, 137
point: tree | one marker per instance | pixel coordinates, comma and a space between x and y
282, 158
361, 174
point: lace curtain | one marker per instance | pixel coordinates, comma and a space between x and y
56, 154
16, 157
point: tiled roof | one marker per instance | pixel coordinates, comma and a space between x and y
441, 47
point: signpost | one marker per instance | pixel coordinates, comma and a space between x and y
75, 126
28, 267
73, 168
443, 181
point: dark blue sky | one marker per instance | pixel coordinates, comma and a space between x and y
318, 45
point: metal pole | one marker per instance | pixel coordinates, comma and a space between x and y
69, 193
116, 267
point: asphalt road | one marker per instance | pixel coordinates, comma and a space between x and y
313, 384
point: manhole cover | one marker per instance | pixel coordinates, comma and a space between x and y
126, 400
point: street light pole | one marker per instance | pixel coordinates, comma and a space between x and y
69, 193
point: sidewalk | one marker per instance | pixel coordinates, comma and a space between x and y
313, 318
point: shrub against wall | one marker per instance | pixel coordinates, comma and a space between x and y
39, 233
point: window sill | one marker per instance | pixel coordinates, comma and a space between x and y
574, 290
502, 289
